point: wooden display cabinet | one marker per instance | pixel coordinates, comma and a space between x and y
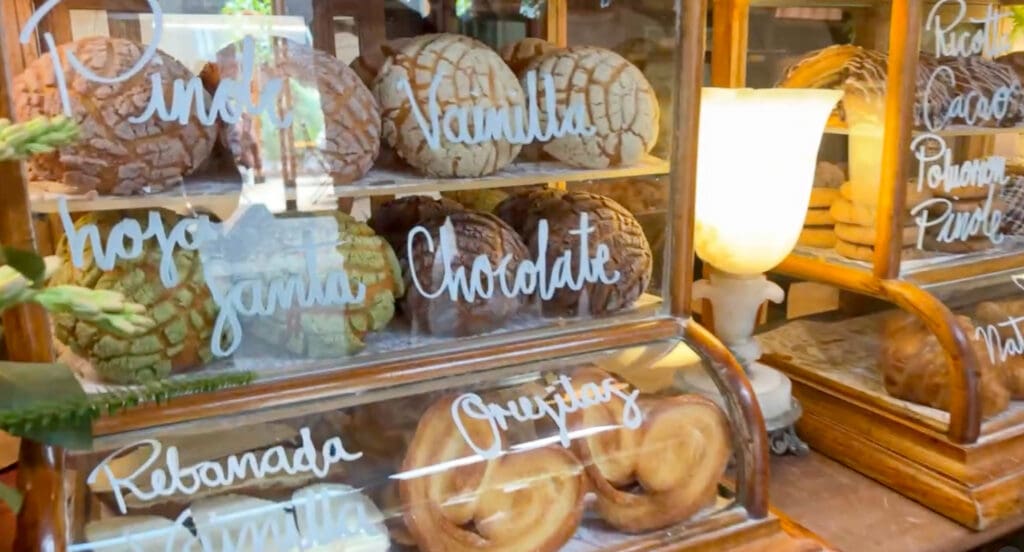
351, 382
958, 464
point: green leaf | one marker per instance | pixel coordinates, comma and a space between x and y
11, 497
30, 265
29, 396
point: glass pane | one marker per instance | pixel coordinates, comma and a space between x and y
301, 185
543, 457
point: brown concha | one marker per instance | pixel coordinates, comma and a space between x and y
472, 77
618, 105
520, 54
475, 234
350, 139
393, 220
113, 155
614, 228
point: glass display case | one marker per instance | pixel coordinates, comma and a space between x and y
398, 275
909, 374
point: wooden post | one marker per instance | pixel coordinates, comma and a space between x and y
28, 339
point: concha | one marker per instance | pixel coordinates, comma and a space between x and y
619, 109
184, 313
114, 156
470, 77
332, 110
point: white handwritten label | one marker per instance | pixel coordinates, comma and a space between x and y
323, 514
173, 479
512, 124
565, 400
232, 98
998, 349
936, 169
483, 279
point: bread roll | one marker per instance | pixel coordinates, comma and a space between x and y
471, 77
915, 366
113, 156
475, 234
619, 105
330, 107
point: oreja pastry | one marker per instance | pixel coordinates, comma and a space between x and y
519, 55
184, 312
818, 217
915, 366
455, 76
472, 236
138, 534
332, 108
615, 107
660, 473
817, 237
526, 500
113, 155
822, 197
867, 235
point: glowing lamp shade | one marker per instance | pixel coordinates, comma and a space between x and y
755, 169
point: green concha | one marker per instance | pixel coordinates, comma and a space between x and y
333, 331
184, 314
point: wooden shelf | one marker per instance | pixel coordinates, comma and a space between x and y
952, 131
221, 193
939, 274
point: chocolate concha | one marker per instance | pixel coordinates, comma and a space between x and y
616, 101
184, 313
393, 220
520, 54
475, 234
332, 331
349, 141
113, 156
515, 209
472, 77
614, 227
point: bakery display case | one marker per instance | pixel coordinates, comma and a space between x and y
400, 275
910, 375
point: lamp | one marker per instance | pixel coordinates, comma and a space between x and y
755, 168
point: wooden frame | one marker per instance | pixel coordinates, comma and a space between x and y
949, 469
28, 336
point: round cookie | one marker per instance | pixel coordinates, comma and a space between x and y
818, 217
521, 54
867, 253
822, 198
867, 235
843, 210
471, 78
817, 237
614, 107
964, 193
913, 197
971, 245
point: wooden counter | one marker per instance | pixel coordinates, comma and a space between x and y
853, 513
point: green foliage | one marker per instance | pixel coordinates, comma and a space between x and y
40, 135
264, 7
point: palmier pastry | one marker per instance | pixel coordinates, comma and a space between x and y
659, 473
468, 236
915, 366
530, 500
